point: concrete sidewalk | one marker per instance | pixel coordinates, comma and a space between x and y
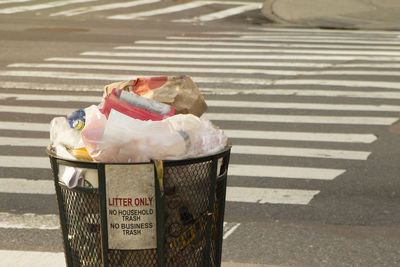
342, 14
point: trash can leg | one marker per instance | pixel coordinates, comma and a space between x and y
210, 210
103, 212
62, 215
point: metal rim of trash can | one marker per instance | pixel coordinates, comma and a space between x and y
160, 204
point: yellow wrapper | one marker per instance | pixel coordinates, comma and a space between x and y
80, 154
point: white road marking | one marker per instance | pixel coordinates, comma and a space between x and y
302, 136
18, 9
344, 83
36, 110
69, 75
301, 152
161, 11
304, 92
29, 221
31, 258
244, 64
13, 1
83, 10
19, 141
24, 162
161, 69
327, 35
51, 86
283, 172
265, 44
324, 31
351, 120
56, 98
223, 14
307, 106
289, 38
218, 80
24, 126
356, 38
25, 186
260, 50
229, 229
293, 56
270, 195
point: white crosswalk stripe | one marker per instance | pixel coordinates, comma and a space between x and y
13, 1
152, 8
240, 81
268, 195
24, 126
259, 50
24, 8
255, 45
293, 39
205, 70
242, 64
171, 9
301, 97
222, 14
302, 136
33, 258
302, 119
301, 152
285, 54
94, 8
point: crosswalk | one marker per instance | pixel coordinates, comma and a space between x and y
298, 105
203, 11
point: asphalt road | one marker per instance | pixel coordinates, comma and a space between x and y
314, 113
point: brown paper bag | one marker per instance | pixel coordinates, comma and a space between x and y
180, 92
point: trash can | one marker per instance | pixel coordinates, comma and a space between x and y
118, 218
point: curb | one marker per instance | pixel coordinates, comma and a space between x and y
236, 264
327, 23
360, 15
268, 11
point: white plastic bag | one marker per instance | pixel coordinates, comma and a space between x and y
92, 133
124, 139
62, 134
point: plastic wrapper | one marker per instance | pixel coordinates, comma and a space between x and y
180, 92
136, 106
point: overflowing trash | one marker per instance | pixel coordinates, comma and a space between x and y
158, 118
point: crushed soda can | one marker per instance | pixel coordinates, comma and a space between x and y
77, 119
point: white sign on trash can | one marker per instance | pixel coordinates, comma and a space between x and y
131, 206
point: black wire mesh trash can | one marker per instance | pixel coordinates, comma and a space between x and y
189, 213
